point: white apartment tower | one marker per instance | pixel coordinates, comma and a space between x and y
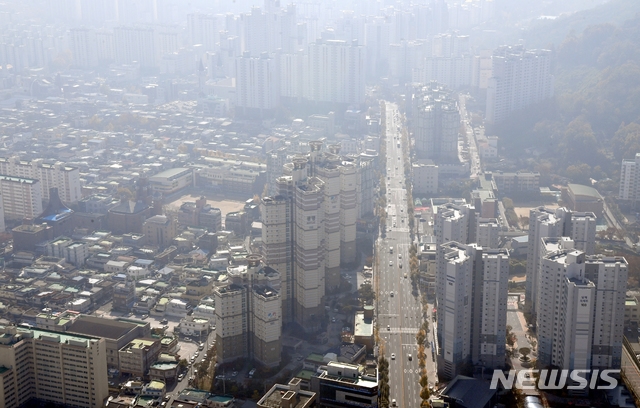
69, 370
202, 29
580, 227
307, 223
21, 197
488, 233
135, 44
65, 178
454, 222
256, 83
82, 42
454, 281
630, 179
471, 295
277, 247
249, 315
335, 72
580, 320
436, 123
519, 79
490, 309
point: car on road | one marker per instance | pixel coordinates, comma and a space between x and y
405, 276
391, 293
393, 356
390, 263
409, 357
180, 377
399, 256
388, 327
400, 265
333, 320
394, 403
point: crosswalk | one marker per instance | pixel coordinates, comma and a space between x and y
403, 330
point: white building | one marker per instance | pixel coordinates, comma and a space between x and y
65, 369
194, 326
488, 232
519, 79
256, 82
425, 178
171, 180
580, 320
135, 44
630, 179
176, 308
203, 29
454, 222
65, 178
454, 281
558, 222
490, 304
249, 316
436, 122
21, 197
82, 42
335, 72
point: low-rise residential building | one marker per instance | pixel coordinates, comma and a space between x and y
137, 356
194, 327
288, 396
345, 385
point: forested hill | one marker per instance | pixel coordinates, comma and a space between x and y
594, 120
550, 33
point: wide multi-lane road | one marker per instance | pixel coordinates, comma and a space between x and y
399, 311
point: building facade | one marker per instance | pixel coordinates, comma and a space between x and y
52, 366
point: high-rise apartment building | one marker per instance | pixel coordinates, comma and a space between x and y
21, 197
323, 207
488, 232
203, 29
335, 72
471, 294
256, 83
580, 227
135, 44
519, 79
249, 314
82, 42
581, 311
65, 178
454, 222
277, 246
66, 369
436, 123
630, 179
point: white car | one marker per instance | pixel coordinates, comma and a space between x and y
390, 263
393, 356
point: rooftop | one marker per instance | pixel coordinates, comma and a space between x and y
100, 327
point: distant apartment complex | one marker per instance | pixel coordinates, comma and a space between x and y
520, 78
